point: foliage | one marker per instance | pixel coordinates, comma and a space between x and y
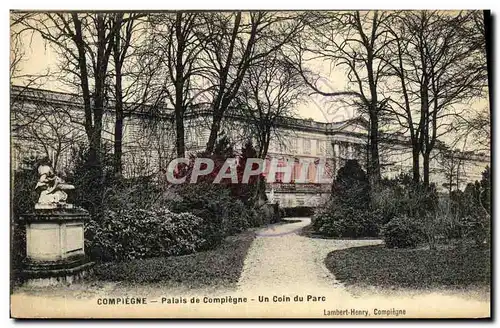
222, 214
458, 215
134, 193
92, 181
351, 187
337, 221
402, 232
120, 206
24, 197
137, 233
471, 219
24, 180
226, 208
249, 193
347, 213
268, 213
485, 189
402, 196
403, 204
389, 201
215, 212
223, 150
218, 267
469, 211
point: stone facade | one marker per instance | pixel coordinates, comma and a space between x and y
148, 143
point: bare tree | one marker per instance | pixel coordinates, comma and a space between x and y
83, 43
127, 26
476, 129
269, 94
438, 69
17, 52
452, 164
177, 42
402, 100
357, 42
45, 125
237, 42
20, 41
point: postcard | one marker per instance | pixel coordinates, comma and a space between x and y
250, 164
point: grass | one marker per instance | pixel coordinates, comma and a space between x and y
218, 267
411, 268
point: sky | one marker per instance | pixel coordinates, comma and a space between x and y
40, 58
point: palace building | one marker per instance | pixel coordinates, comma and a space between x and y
49, 124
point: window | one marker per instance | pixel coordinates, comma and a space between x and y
307, 146
320, 149
191, 137
280, 175
293, 145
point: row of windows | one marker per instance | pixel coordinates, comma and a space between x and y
306, 146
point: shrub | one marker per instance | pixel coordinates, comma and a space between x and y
476, 215
23, 198
24, 195
249, 193
470, 218
348, 212
351, 186
134, 193
222, 214
226, 208
338, 221
268, 213
485, 189
388, 203
402, 232
134, 234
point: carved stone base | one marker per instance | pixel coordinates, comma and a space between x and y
55, 251
54, 274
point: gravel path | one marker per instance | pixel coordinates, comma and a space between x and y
279, 259
279, 263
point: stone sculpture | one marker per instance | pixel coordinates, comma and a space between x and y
55, 235
52, 189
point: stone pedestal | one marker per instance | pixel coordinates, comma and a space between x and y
55, 251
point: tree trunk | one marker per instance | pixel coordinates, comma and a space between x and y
214, 131
119, 117
221, 101
450, 182
416, 163
84, 83
426, 156
266, 139
118, 151
179, 133
99, 93
374, 154
179, 88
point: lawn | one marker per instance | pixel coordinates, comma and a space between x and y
413, 268
218, 267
